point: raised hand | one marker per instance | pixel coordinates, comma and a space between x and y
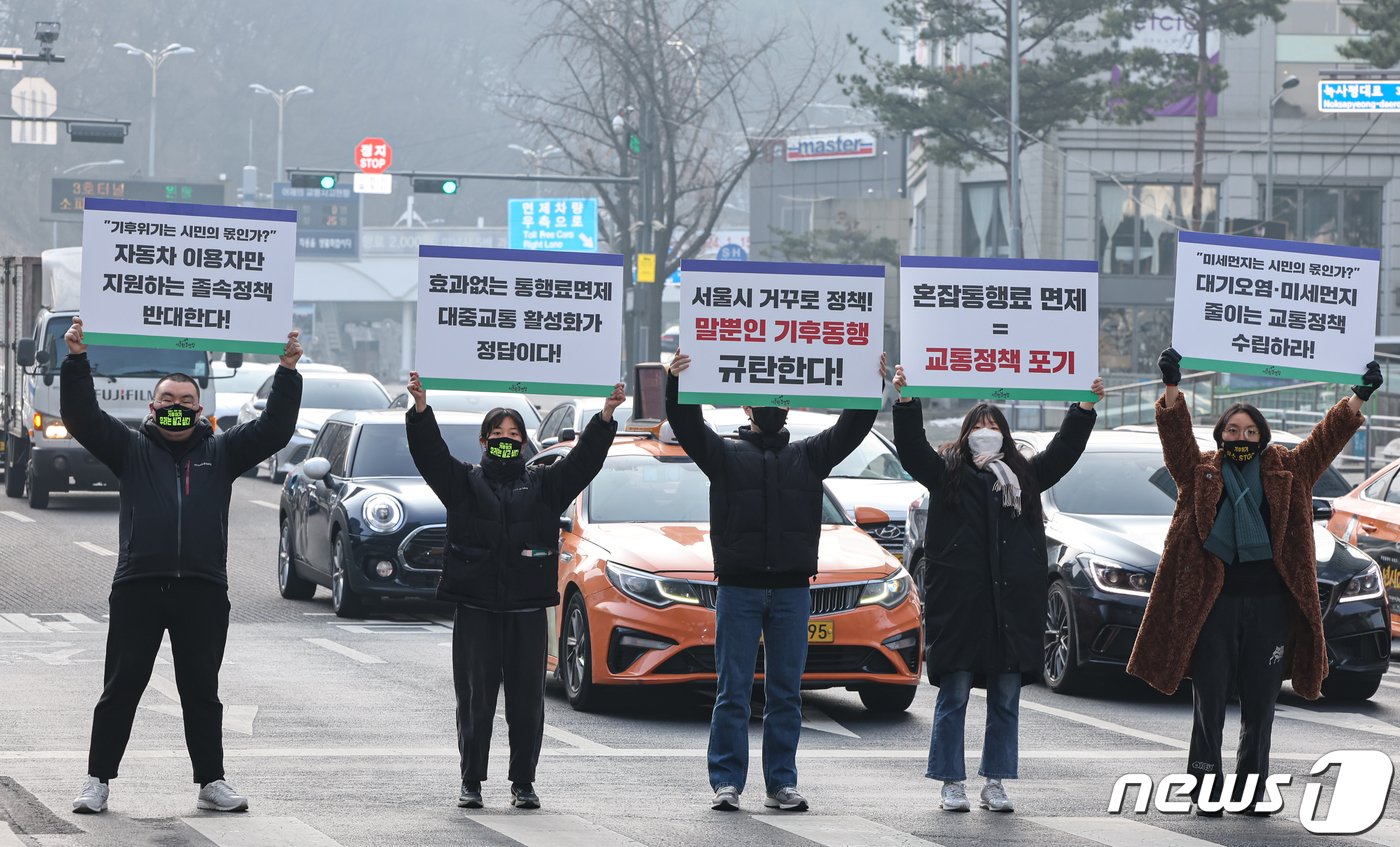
1370, 381
1170, 364
1097, 388
292, 352
74, 337
679, 362
416, 391
900, 382
617, 398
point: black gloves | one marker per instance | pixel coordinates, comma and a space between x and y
1370, 381
1170, 364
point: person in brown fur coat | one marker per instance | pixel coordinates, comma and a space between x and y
1234, 601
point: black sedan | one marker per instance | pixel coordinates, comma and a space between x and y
357, 517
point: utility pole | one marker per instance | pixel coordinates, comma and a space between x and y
1013, 192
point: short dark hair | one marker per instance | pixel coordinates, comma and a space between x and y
177, 377
1265, 435
494, 418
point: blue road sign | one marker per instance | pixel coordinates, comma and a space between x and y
732, 253
554, 223
1334, 95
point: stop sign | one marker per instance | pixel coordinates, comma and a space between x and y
373, 155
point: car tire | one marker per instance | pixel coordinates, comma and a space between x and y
1060, 663
278, 477
38, 494
887, 699
1353, 687
916, 574
344, 601
290, 585
14, 472
576, 659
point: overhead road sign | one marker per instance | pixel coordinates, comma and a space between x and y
70, 195
373, 155
1358, 95
553, 223
373, 183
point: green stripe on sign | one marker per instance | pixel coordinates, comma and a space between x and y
165, 342
1280, 371
567, 389
974, 393
802, 401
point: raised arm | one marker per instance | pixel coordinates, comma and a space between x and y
1059, 456
701, 444
252, 442
565, 479
445, 474
102, 435
1330, 436
1179, 448
919, 459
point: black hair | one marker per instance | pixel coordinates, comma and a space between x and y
1265, 435
956, 453
494, 418
177, 377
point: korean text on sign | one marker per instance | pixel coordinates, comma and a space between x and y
1274, 308
782, 334
519, 320
188, 276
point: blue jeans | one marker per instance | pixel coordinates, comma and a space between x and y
780, 615
999, 750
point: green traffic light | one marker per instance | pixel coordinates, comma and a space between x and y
449, 186
328, 182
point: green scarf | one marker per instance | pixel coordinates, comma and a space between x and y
1239, 532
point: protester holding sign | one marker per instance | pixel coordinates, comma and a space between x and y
1234, 603
765, 526
984, 590
176, 480
501, 568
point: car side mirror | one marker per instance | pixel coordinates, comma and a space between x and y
550, 441
233, 360
869, 515
1322, 510
568, 433
24, 352
318, 467
260, 404
566, 523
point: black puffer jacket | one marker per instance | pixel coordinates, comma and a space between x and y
765, 492
503, 536
175, 496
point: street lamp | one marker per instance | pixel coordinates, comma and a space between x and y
535, 157
281, 97
85, 165
1289, 81
154, 59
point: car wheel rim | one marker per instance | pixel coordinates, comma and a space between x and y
575, 647
1056, 637
338, 577
283, 558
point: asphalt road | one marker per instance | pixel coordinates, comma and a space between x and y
342, 733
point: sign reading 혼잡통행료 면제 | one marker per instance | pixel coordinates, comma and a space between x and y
999, 329
1275, 308
782, 333
179, 275
519, 320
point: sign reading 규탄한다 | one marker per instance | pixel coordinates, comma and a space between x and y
519, 320
1274, 308
1001, 329
179, 275
782, 333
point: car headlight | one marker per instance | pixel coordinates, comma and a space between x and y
50, 425
306, 431
888, 592
658, 591
1115, 578
1366, 585
383, 512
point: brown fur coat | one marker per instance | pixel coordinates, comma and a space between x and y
1189, 578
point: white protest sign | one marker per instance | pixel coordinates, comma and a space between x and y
180, 275
519, 320
782, 333
1275, 308
999, 329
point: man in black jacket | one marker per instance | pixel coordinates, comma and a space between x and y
176, 480
765, 527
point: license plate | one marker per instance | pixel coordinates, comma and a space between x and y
821, 632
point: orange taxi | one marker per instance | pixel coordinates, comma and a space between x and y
638, 588
1369, 517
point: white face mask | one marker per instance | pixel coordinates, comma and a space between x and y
984, 441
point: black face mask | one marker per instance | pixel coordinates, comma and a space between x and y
175, 418
503, 459
1240, 450
770, 419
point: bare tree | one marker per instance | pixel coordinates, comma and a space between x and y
674, 94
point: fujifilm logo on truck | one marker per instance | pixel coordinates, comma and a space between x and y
40, 300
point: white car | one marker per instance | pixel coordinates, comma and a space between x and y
447, 400
323, 393
235, 387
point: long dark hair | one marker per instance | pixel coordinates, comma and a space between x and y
956, 454
1265, 434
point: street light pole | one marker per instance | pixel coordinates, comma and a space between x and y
535, 158
1289, 81
153, 58
1013, 152
281, 97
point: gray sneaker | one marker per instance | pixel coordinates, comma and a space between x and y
994, 797
93, 798
786, 799
726, 799
219, 796
954, 798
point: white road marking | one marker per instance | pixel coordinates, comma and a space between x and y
16, 516
23, 622
236, 718
265, 504
394, 628
249, 831
578, 742
1386, 833
348, 652
94, 548
57, 657
1390, 684
1099, 723
1121, 832
8, 837
1339, 720
843, 831
816, 719
537, 830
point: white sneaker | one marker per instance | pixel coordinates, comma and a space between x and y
93, 798
954, 798
219, 796
994, 797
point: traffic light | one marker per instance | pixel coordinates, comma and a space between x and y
424, 185
97, 133
308, 180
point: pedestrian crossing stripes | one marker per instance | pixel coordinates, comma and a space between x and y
1121, 832
554, 831
16, 516
843, 831
8, 837
1386, 833
251, 831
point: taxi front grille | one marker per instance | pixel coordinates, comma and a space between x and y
826, 599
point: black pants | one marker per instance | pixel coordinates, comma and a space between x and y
489, 648
195, 613
1240, 646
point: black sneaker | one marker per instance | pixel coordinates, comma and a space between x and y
470, 798
523, 796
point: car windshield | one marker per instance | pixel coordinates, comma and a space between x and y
126, 361
343, 394
660, 489
872, 459
469, 401
622, 414
1118, 483
1331, 484
382, 449
245, 381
